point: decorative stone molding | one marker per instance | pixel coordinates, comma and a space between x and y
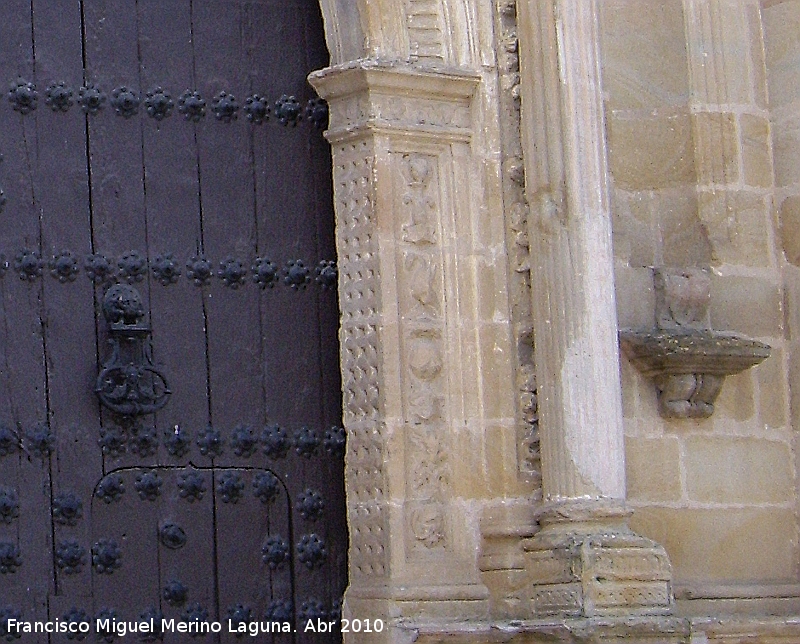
687, 360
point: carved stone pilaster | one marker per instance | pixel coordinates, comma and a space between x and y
400, 140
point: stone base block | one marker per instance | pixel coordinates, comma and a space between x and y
596, 573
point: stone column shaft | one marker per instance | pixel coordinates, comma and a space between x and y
585, 560
572, 263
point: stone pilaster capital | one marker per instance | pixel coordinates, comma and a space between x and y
390, 96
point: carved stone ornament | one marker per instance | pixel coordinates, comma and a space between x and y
687, 362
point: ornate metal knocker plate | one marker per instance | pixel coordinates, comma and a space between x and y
129, 384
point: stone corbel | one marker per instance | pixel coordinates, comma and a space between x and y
687, 360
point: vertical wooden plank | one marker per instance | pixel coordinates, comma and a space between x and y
61, 178
119, 226
300, 326
228, 218
173, 212
177, 312
187, 503
24, 376
127, 526
229, 231
239, 549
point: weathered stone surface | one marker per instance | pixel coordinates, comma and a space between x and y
756, 156
745, 304
738, 470
730, 544
644, 54
653, 468
650, 152
790, 229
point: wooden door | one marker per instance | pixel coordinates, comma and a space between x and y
167, 155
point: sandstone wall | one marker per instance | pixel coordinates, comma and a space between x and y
699, 93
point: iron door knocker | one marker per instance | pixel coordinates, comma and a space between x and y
129, 384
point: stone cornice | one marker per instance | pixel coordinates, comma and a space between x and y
391, 96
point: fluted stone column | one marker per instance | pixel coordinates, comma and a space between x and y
585, 560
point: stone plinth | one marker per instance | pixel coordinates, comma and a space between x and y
587, 562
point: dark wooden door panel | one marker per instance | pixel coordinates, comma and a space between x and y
134, 138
